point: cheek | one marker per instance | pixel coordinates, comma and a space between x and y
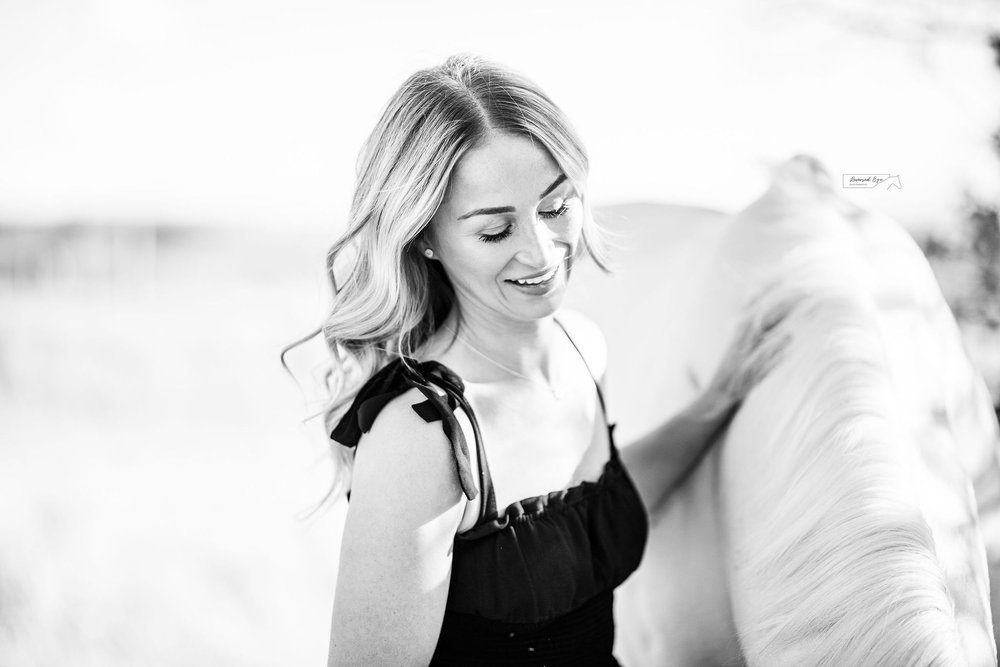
574, 230
476, 261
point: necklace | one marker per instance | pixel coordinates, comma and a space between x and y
556, 393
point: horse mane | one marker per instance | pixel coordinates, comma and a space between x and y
850, 514
829, 557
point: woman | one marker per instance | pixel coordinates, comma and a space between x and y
491, 515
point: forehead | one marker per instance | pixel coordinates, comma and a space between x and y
504, 169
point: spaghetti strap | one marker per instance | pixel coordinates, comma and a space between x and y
593, 377
600, 396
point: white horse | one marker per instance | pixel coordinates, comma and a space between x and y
847, 514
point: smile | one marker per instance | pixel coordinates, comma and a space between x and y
538, 280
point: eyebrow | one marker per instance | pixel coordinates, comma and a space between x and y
510, 209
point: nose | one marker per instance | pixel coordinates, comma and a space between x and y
536, 247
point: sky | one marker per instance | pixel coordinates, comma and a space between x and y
225, 112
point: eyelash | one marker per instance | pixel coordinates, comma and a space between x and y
494, 238
548, 215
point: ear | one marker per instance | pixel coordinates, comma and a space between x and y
423, 243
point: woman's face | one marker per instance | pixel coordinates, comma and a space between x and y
507, 229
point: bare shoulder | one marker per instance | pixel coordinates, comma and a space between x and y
589, 338
404, 461
395, 555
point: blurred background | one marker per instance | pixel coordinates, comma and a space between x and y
172, 174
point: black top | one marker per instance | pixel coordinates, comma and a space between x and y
531, 585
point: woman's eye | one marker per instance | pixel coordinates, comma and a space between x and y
493, 238
548, 215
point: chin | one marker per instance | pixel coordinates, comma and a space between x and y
544, 307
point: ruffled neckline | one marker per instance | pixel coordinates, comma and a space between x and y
538, 507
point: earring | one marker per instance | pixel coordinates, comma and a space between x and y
428, 252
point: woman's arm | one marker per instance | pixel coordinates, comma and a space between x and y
395, 562
660, 460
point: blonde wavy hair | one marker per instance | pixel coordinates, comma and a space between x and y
392, 298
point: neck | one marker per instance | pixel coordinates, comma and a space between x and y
524, 347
